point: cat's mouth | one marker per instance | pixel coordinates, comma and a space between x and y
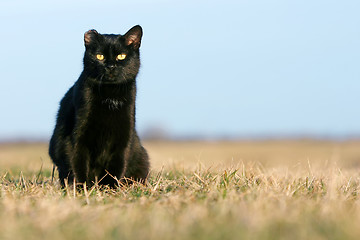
110, 78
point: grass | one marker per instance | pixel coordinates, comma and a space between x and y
197, 190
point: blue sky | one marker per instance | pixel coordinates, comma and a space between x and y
211, 68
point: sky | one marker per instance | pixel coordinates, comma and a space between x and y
245, 68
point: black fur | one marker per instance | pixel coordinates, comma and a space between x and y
95, 129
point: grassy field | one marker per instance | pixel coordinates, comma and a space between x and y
197, 190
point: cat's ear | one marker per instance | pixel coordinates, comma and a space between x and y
133, 37
90, 36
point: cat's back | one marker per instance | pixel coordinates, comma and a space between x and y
64, 125
66, 109
65, 117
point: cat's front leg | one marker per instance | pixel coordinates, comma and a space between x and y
80, 164
115, 170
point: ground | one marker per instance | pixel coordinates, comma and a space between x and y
300, 189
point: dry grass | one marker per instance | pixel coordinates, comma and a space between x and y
197, 190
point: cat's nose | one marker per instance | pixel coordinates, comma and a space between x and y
111, 67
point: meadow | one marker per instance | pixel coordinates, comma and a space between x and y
301, 189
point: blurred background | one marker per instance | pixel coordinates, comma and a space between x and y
210, 69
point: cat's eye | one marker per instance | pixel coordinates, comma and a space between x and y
100, 57
121, 57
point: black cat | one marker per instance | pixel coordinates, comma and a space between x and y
95, 137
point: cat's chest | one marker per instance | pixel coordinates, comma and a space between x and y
112, 103
105, 125
105, 114
109, 116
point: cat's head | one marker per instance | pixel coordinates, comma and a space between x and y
111, 58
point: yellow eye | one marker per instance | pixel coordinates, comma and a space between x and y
100, 57
121, 56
